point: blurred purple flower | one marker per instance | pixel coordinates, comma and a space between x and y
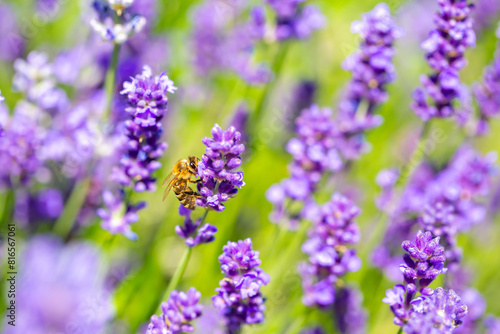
239, 299
487, 93
118, 215
221, 44
179, 311
476, 306
492, 324
35, 78
372, 70
20, 146
445, 48
350, 316
294, 20
314, 154
12, 43
219, 180
485, 14
60, 289
445, 203
334, 229
239, 121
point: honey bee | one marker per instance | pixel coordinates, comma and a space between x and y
179, 179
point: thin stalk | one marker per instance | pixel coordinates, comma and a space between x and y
400, 331
6, 206
181, 267
72, 208
276, 67
417, 155
110, 80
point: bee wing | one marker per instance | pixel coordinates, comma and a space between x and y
167, 179
170, 182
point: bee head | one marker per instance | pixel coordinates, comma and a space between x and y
193, 164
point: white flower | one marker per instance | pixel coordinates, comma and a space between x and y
118, 33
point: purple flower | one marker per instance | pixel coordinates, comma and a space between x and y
485, 14
240, 122
446, 203
179, 311
492, 324
372, 70
147, 96
433, 309
59, 289
350, 316
476, 306
221, 44
329, 258
439, 313
220, 181
487, 94
239, 299
445, 48
35, 78
118, 216
424, 261
20, 147
314, 154
12, 45
295, 21
192, 232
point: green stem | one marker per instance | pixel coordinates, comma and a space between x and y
181, 267
179, 272
278, 62
6, 206
110, 80
417, 155
400, 331
71, 210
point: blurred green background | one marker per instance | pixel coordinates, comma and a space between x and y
156, 254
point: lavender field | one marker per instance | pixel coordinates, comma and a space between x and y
249, 166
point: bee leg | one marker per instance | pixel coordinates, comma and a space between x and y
195, 181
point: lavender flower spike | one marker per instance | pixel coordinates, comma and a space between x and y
1, 97
217, 168
147, 96
239, 299
327, 246
445, 49
424, 261
178, 312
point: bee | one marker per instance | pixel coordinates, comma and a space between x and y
179, 179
